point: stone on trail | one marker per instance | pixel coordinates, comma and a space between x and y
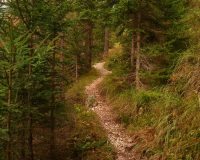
91, 101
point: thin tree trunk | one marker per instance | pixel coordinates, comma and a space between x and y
30, 121
138, 52
106, 47
76, 67
62, 66
23, 130
52, 139
89, 45
23, 140
133, 41
8, 117
52, 110
8, 147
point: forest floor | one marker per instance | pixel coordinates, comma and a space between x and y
117, 136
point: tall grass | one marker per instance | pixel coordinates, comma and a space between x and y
163, 120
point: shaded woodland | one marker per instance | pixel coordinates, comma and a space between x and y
47, 49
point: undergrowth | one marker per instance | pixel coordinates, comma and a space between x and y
86, 140
163, 120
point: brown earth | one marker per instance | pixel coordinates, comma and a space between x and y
117, 136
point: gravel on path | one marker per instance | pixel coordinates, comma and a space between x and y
122, 142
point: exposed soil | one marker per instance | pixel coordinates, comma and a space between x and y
122, 142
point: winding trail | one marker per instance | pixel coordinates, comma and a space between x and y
122, 143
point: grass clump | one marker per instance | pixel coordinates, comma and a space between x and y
86, 140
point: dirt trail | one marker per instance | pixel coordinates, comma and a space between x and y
119, 139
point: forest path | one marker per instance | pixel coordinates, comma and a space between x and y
122, 143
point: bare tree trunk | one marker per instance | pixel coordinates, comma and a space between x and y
76, 67
8, 147
8, 117
23, 141
30, 121
62, 66
52, 139
138, 52
133, 41
106, 47
77, 57
23, 130
89, 45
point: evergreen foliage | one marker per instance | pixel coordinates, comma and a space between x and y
33, 74
45, 48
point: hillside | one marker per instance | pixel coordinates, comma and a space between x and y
59, 101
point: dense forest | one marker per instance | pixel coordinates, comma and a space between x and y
47, 50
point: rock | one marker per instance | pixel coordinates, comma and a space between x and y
130, 140
91, 101
129, 146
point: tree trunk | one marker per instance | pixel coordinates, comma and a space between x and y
89, 45
106, 47
133, 41
8, 147
8, 117
52, 110
23, 141
138, 52
62, 66
76, 67
52, 139
23, 129
30, 121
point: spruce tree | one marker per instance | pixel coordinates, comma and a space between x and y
147, 20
